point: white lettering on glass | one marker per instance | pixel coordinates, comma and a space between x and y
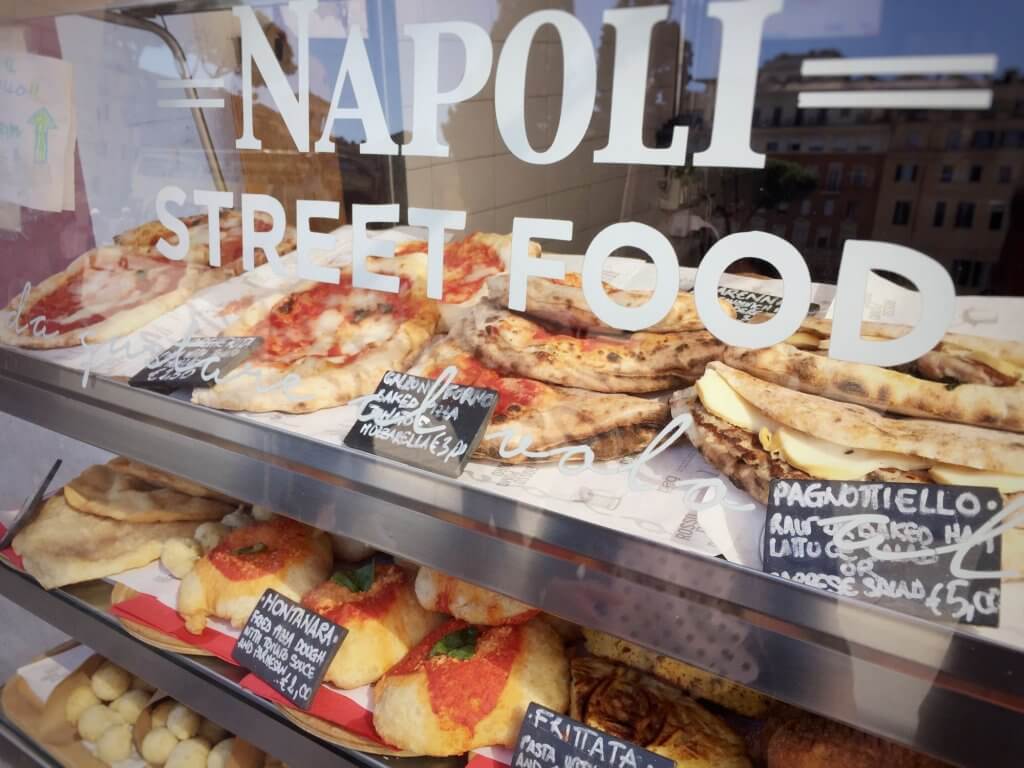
255, 47
214, 202
436, 222
666, 287
633, 30
363, 247
935, 289
579, 87
265, 241
306, 240
426, 40
355, 67
742, 26
176, 195
795, 302
521, 266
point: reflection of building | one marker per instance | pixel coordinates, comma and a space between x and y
938, 181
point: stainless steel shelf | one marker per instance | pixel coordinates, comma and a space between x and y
204, 684
942, 691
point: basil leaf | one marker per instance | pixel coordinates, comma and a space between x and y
356, 580
460, 644
252, 549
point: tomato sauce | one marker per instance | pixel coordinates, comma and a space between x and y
467, 264
279, 541
342, 606
465, 691
583, 340
511, 391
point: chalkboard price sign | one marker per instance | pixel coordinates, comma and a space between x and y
195, 362
920, 549
549, 740
433, 424
288, 647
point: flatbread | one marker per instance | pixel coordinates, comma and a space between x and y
156, 476
632, 363
65, 546
858, 427
103, 294
562, 302
103, 490
610, 425
323, 345
882, 388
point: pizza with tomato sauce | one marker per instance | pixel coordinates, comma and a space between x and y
375, 602
227, 582
562, 302
465, 686
323, 345
149, 234
541, 418
517, 345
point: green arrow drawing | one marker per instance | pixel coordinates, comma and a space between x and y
42, 121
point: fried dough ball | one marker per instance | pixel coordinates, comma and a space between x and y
179, 555
209, 535
79, 701
220, 754
191, 753
95, 720
130, 705
158, 718
183, 722
115, 744
110, 681
238, 519
157, 746
262, 514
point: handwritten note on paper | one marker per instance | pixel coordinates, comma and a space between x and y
933, 551
37, 132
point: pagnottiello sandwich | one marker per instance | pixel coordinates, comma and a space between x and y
753, 430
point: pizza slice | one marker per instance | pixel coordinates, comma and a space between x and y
542, 418
149, 234
517, 345
562, 302
323, 345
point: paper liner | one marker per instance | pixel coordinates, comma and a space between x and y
149, 620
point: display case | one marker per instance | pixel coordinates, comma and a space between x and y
660, 365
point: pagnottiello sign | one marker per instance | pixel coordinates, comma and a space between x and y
742, 23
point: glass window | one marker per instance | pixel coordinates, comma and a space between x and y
901, 213
852, 206
983, 139
1005, 174
964, 215
946, 174
953, 139
975, 175
823, 238
995, 216
829, 207
835, 175
939, 217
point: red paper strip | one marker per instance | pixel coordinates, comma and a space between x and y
9, 554
477, 760
150, 612
327, 705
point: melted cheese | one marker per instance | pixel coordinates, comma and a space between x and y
830, 461
722, 400
954, 475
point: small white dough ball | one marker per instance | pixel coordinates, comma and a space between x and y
209, 535
115, 744
158, 717
130, 705
212, 732
138, 684
183, 722
179, 556
220, 754
110, 681
95, 720
79, 701
157, 746
262, 514
191, 753
237, 519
